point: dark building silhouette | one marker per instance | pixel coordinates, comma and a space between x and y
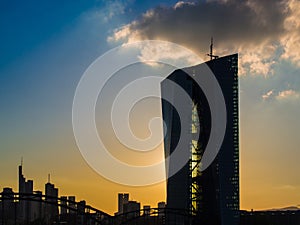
211, 196
28, 207
25, 187
64, 204
161, 208
123, 198
81, 219
51, 208
71, 204
275, 217
37, 206
146, 210
132, 209
8, 208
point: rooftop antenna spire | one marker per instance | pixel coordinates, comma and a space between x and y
211, 48
48, 177
212, 56
22, 161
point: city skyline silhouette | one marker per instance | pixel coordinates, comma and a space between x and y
48, 46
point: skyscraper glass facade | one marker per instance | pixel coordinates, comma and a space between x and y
211, 195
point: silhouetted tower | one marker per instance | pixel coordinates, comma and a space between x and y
21, 178
64, 205
25, 212
72, 204
51, 210
123, 198
210, 196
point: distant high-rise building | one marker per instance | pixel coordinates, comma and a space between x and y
161, 208
81, 207
64, 205
211, 196
132, 209
37, 206
72, 204
123, 198
22, 185
8, 206
81, 213
25, 187
51, 209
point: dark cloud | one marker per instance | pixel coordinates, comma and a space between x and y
263, 32
194, 23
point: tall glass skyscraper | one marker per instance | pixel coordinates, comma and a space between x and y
211, 196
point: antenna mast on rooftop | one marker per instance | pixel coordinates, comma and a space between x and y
212, 56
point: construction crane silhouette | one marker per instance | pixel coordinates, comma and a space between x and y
211, 55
